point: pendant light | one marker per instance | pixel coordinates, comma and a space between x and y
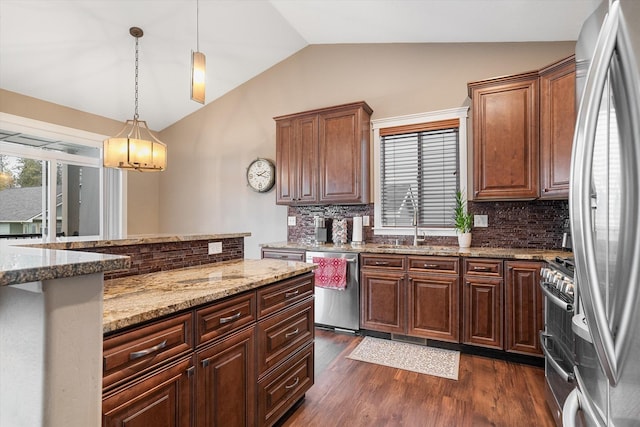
198, 66
135, 147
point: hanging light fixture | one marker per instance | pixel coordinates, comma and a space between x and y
198, 65
135, 147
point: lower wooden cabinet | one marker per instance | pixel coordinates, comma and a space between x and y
160, 399
433, 302
155, 375
483, 302
524, 307
483, 312
282, 387
226, 382
382, 301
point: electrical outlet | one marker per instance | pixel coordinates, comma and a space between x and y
291, 220
365, 220
480, 221
215, 248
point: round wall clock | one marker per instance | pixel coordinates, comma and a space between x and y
261, 175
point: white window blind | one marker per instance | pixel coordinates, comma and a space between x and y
419, 174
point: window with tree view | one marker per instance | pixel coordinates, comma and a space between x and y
48, 185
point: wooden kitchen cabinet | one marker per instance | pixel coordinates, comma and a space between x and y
160, 399
322, 156
523, 128
226, 382
433, 298
524, 307
383, 293
483, 303
505, 137
297, 159
200, 367
557, 124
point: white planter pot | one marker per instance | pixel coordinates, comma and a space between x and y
464, 240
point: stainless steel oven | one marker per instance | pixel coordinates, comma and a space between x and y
557, 339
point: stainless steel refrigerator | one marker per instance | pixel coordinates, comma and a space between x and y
604, 206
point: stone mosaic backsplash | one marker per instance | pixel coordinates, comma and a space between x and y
532, 224
153, 257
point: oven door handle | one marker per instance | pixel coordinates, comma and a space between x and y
554, 299
566, 376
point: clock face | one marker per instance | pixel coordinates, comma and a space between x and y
261, 175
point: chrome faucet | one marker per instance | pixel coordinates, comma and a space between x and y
416, 240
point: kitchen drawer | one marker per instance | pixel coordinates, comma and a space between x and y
285, 385
142, 349
283, 334
284, 294
285, 254
225, 317
434, 264
387, 262
483, 267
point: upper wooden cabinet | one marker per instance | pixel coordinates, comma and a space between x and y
322, 156
505, 137
557, 123
522, 133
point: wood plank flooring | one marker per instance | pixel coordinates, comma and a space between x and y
357, 394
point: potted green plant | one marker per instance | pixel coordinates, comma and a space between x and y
463, 221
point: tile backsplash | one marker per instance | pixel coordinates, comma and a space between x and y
530, 224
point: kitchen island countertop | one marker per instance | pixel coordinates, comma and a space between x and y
135, 299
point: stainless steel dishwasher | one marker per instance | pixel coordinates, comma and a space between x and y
339, 309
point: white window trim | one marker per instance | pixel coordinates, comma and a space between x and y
453, 113
113, 223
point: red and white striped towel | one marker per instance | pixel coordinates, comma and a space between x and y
331, 273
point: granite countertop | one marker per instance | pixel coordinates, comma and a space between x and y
21, 265
137, 240
476, 252
135, 299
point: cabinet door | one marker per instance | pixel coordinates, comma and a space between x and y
383, 296
297, 160
505, 138
483, 312
524, 313
344, 156
286, 163
161, 399
226, 382
557, 123
433, 306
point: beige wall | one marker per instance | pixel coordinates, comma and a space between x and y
142, 189
204, 188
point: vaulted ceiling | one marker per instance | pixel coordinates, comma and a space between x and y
79, 53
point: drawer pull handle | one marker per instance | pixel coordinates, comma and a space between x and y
477, 268
284, 256
431, 266
291, 334
291, 294
236, 316
381, 263
138, 354
295, 383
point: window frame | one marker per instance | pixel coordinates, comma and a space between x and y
113, 206
434, 116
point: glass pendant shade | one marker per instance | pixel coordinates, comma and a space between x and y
198, 67
136, 148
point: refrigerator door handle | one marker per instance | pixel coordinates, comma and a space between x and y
580, 195
579, 401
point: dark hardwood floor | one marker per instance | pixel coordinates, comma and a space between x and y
488, 392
